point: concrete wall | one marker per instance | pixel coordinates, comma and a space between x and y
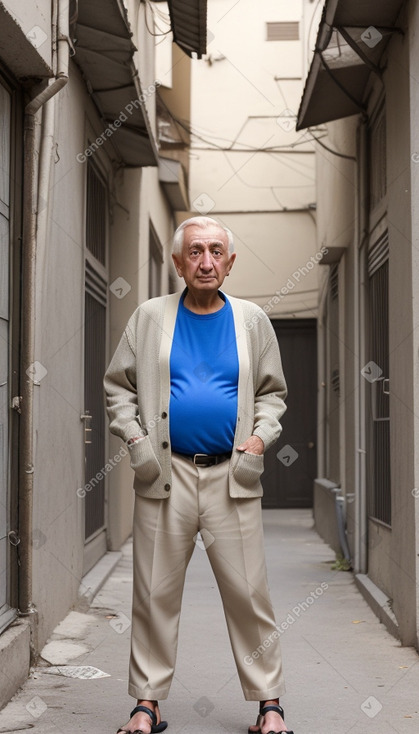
391, 554
35, 20
414, 187
136, 199
401, 561
59, 448
245, 95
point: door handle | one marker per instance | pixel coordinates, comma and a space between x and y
310, 445
87, 418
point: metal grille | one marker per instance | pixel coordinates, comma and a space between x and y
283, 31
96, 215
334, 282
378, 254
379, 486
333, 384
94, 370
377, 160
155, 261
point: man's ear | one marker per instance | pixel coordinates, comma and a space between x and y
178, 265
231, 261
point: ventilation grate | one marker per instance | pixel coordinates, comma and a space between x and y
283, 31
334, 282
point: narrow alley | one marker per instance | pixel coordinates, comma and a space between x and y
344, 671
146, 148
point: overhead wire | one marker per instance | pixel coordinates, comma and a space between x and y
153, 13
244, 146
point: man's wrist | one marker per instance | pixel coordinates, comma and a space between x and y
134, 440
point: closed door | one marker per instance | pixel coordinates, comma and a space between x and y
94, 417
5, 110
290, 465
95, 331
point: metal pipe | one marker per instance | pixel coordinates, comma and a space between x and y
341, 523
29, 247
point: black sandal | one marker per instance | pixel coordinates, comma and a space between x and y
155, 727
264, 710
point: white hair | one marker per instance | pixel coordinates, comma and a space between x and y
178, 237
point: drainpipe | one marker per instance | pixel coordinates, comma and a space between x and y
341, 523
60, 28
361, 541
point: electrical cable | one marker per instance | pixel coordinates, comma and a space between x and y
148, 5
215, 146
330, 150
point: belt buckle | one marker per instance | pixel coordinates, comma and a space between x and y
198, 456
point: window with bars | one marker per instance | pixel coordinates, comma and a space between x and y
379, 483
96, 214
377, 159
333, 382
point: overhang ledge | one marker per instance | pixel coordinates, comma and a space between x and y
351, 40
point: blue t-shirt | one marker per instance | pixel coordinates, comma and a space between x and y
204, 374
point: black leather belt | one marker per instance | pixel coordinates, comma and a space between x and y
207, 459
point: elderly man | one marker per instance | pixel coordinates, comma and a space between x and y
196, 390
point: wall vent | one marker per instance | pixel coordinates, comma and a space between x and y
334, 282
283, 31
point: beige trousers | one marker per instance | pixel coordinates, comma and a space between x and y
165, 533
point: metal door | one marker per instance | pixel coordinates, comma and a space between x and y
290, 465
6, 614
95, 330
94, 370
377, 377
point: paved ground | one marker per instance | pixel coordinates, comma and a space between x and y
344, 672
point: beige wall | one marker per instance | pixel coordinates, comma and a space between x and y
402, 560
245, 94
59, 450
35, 20
136, 199
414, 185
393, 554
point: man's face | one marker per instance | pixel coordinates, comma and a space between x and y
205, 260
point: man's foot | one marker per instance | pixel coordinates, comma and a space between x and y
272, 721
142, 721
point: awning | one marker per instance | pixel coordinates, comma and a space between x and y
104, 53
352, 38
188, 19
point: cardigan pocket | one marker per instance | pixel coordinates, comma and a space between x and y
144, 461
248, 469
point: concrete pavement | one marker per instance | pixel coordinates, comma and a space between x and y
344, 671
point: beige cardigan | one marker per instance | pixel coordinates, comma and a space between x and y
137, 384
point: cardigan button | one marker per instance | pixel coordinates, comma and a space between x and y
167, 487
165, 444
164, 414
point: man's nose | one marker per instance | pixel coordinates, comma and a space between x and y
206, 261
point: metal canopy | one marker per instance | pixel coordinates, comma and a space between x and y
104, 53
188, 19
352, 38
